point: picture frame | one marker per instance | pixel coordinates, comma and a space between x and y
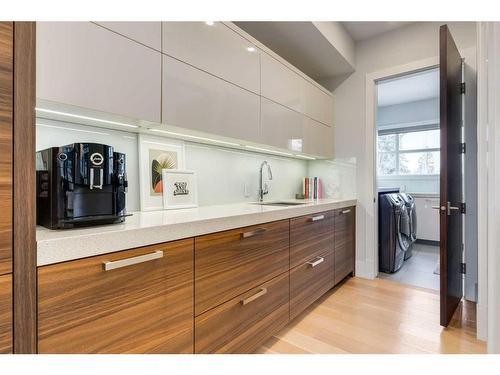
156, 154
180, 189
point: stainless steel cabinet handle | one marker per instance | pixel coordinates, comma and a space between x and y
259, 294
317, 218
346, 211
448, 208
253, 233
317, 261
131, 261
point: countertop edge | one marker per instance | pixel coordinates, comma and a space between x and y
58, 250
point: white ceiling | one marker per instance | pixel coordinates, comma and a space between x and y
365, 30
410, 88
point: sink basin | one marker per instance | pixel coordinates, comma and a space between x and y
280, 203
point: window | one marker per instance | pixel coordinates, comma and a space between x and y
408, 153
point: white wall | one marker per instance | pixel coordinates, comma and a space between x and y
408, 113
338, 177
412, 43
427, 217
222, 173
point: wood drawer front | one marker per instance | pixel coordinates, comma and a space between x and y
141, 308
344, 242
310, 236
229, 263
309, 281
235, 327
6, 314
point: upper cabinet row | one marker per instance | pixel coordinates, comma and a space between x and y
213, 80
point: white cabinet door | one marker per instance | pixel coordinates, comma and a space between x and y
215, 49
280, 126
318, 104
281, 84
318, 139
197, 100
85, 65
147, 33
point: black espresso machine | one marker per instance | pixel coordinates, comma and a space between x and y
80, 184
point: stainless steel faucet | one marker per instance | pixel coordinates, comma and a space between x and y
263, 190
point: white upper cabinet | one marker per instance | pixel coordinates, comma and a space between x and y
85, 65
147, 33
318, 138
215, 49
280, 126
194, 99
282, 85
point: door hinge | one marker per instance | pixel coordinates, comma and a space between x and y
463, 269
463, 208
462, 148
462, 88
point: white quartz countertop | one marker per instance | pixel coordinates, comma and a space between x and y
148, 228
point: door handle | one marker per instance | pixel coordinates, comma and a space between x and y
108, 266
448, 208
317, 218
260, 293
253, 233
316, 262
346, 211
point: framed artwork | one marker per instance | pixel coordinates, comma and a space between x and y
179, 189
155, 155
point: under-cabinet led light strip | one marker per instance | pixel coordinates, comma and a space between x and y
85, 117
268, 150
194, 137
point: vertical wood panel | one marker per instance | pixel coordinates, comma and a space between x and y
24, 250
6, 92
6, 314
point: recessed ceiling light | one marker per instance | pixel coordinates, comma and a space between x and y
210, 23
251, 49
85, 117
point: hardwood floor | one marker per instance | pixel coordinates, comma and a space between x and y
377, 316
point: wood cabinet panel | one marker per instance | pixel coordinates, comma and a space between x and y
6, 342
230, 263
6, 146
242, 323
83, 64
216, 49
141, 308
197, 100
311, 236
147, 33
344, 242
310, 280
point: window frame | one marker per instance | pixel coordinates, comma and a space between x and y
397, 132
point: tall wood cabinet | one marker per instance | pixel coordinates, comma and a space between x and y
6, 145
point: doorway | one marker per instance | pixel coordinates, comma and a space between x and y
408, 177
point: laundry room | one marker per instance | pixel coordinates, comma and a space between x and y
408, 173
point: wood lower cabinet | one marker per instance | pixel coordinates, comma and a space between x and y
310, 280
126, 302
244, 322
6, 343
310, 236
230, 263
344, 242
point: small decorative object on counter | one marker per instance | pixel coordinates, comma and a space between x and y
311, 188
156, 154
179, 189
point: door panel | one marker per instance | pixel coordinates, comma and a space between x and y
451, 220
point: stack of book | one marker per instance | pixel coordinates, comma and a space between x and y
311, 188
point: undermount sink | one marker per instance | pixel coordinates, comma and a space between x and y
279, 203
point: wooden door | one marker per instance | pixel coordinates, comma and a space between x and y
451, 191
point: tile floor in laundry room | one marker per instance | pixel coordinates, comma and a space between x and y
420, 270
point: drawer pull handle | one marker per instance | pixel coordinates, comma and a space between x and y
317, 218
316, 262
253, 233
108, 266
346, 211
259, 294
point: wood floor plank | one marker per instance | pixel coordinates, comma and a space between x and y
377, 316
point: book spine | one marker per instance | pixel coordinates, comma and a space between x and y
306, 187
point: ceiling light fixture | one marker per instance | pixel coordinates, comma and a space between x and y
194, 137
268, 150
85, 118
